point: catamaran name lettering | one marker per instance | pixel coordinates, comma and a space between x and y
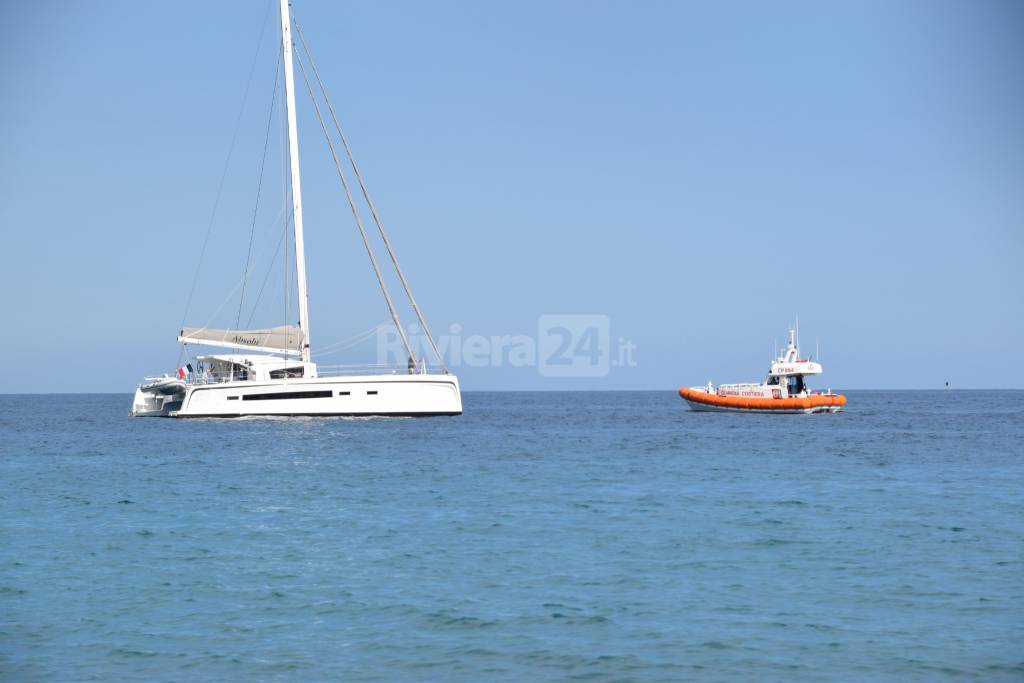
249, 341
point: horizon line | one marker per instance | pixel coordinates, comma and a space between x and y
519, 391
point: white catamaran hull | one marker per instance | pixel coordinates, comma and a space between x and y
154, 403
368, 395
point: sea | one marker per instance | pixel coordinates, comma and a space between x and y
579, 536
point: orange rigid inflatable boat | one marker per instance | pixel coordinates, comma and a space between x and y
812, 403
784, 391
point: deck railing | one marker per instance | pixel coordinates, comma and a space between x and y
371, 369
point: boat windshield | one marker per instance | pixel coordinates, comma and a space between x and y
795, 384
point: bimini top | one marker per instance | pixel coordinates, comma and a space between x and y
790, 362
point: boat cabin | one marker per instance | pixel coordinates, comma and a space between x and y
241, 368
788, 370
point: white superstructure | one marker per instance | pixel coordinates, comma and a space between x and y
785, 377
283, 380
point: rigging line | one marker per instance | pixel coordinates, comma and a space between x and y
355, 213
345, 344
259, 190
355, 337
231, 294
266, 278
369, 202
342, 348
227, 163
286, 195
334, 352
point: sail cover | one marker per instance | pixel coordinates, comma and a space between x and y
287, 338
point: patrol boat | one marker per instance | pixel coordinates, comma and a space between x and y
784, 391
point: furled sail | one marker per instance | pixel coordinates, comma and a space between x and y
287, 338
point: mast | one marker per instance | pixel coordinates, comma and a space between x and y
293, 156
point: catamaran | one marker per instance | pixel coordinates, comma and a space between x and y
274, 374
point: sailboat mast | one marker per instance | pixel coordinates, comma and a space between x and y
293, 155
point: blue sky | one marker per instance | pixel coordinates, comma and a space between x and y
699, 173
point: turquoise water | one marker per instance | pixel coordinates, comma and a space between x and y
540, 536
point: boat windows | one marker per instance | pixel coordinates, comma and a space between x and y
239, 372
795, 384
371, 393
285, 395
287, 373
773, 380
344, 393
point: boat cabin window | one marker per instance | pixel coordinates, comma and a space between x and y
773, 379
223, 371
286, 373
795, 384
